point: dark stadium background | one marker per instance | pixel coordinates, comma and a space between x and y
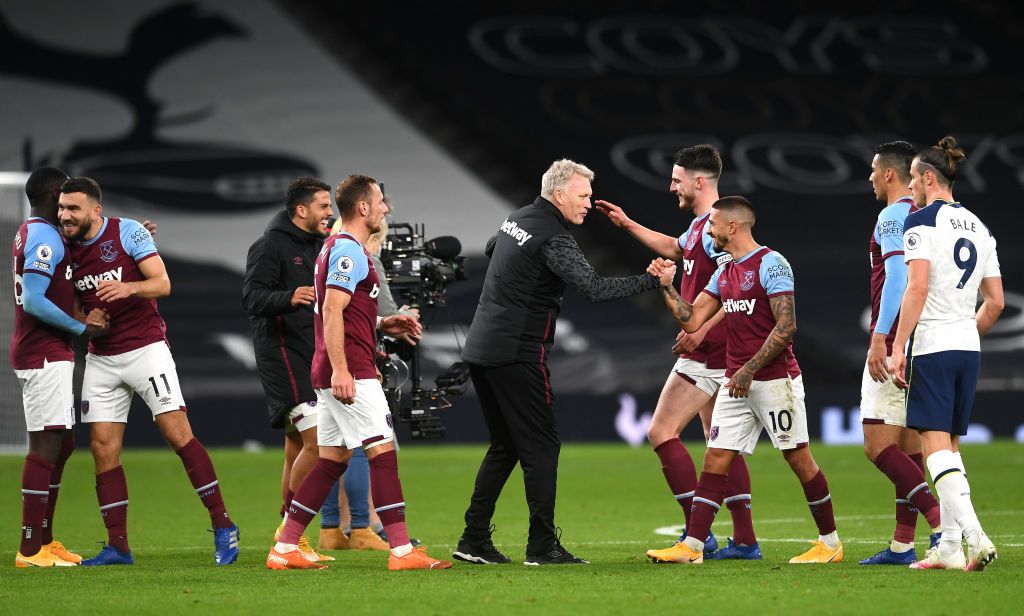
175, 110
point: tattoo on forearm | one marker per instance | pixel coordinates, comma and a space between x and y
681, 309
784, 309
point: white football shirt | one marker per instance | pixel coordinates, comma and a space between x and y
962, 252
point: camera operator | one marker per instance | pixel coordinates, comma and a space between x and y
278, 295
533, 256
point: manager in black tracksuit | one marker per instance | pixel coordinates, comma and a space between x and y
278, 296
533, 256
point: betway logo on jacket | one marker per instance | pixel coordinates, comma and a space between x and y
93, 282
519, 235
739, 305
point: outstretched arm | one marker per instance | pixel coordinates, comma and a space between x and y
563, 256
689, 316
664, 245
784, 309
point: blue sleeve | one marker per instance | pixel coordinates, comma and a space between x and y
137, 241
44, 249
889, 229
38, 305
892, 293
347, 266
776, 274
712, 286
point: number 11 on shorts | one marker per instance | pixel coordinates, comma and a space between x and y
167, 386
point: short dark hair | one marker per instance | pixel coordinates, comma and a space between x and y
43, 182
944, 159
897, 155
735, 204
82, 185
704, 158
352, 190
302, 191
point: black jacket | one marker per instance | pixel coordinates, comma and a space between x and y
521, 297
533, 257
278, 263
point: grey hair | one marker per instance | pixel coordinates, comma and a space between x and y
559, 174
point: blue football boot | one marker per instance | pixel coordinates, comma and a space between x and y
225, 545
738, 552
888, 557
109, 555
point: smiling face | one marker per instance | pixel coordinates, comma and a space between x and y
573, 199
78, 214
684, 186
313, 216
719, 227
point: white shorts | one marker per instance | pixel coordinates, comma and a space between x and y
110, 381
882, 402
47, 395
776, 405
708, 380
302, 417
364, 423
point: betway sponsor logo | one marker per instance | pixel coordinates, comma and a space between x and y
687, 266
519, 235
93, 282
739, 305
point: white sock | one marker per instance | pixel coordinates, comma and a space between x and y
954, 494
402, 550
283, 548
899, 547
831, 540
694, 544
960, 462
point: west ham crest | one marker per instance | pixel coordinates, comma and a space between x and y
714, 433
692, 240
748, 281
107, 251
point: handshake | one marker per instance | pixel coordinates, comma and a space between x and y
664, 270
97, 322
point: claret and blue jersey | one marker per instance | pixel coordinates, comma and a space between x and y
745, 287
888, 271
344, 264
700, 261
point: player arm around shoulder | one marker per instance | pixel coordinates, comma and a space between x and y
691, 317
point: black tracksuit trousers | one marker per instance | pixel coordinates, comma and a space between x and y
517, 404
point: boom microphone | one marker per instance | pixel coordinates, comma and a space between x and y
444, 247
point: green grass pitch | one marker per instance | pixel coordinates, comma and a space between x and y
611, 500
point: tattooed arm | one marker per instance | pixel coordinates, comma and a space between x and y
689, 316
784, 309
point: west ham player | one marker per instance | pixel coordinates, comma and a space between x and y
693, 383
352, 409
43, 360
950, 256
894, 449
117, 268
756, 291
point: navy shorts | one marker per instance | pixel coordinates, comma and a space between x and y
941, 390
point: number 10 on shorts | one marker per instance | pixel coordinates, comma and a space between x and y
782, 420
